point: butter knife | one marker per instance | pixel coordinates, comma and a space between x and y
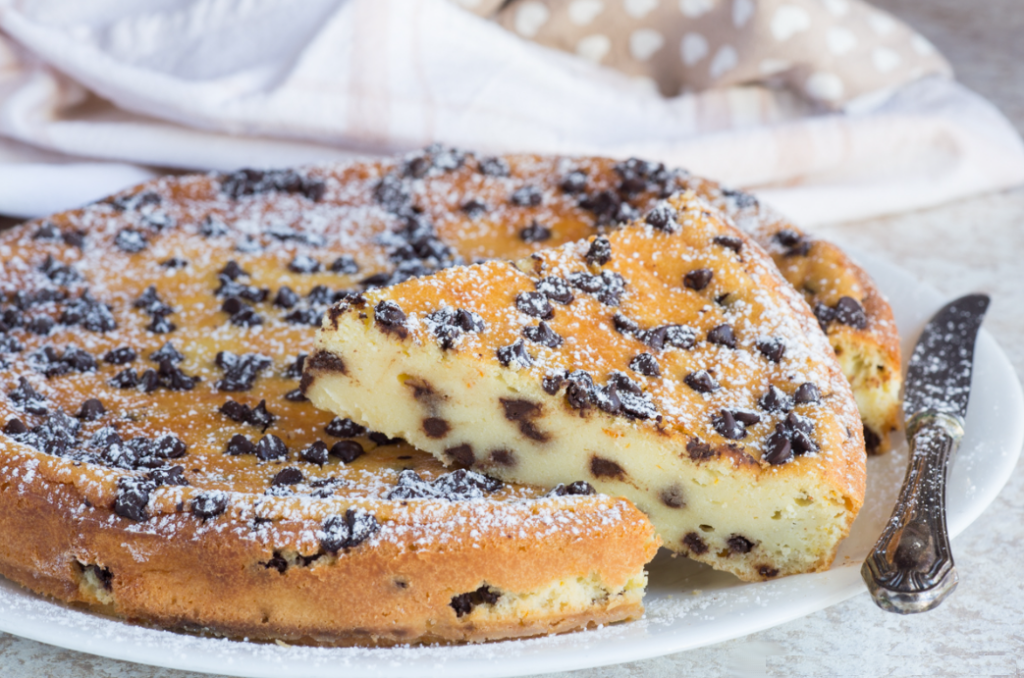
910, 569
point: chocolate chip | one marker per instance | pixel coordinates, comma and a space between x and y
48, 231
315, 453
645, 364
161, 325
600, 251
730, 242
209, 504
503, 458
295, 396
169, 447
767, 572
738, 544
606, 288
552, 382
727, 426
701, 381
165, 352
58, 273
287, 476
25, 398
270, 447
436, 427
305, 316
787, 237
246, 182
535, 304
349, 531
527, 196
672, 497
168, 475
695, 543
303, 263
127, 378
824, 314
326, 362
239, 444
346, 450
173, 379
461, 454
663, 217
515, 353
174, 263
580, 488
212, 227
149, 381
344, 428
494, 167
723, 335
465, 603
9, 344
535, 232
130, 241
230, 288
807, 393
775, 400
294, 369
233, 271
773, 348
40, 324
15, 427
778, 448
448, 324
132, 498
240, 371
555, 289
606, 468
574, 182
698, 279
579, 391
91, 410
92, 314
390, 318
542, 334
345, 265
699, 450
850, 312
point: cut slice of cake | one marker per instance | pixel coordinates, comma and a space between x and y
667, 362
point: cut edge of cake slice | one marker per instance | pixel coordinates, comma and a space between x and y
667, 362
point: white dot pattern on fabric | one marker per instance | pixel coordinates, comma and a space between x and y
881, 22
742, 10
885, 59
773, 66
824, 86
837, 7
693, 48
594, 47
840, 40
583, 12
644, 42
530, 17
789, 20
638, 9
725, 60
696, 8
922, 46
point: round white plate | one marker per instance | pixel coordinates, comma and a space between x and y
688, 605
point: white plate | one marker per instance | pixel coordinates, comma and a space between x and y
688, 605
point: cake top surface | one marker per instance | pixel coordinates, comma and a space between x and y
677, 324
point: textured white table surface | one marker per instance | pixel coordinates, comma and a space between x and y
972, 245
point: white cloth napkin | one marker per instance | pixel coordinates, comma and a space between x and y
218, 84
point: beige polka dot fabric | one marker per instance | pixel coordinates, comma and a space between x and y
830, 51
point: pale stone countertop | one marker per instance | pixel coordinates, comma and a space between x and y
972, 245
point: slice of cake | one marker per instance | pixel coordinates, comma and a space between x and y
667, 362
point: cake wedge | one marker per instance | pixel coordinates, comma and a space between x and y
667, 362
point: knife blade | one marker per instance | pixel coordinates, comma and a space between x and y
911, 569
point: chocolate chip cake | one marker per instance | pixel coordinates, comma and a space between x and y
667, 362
159, 462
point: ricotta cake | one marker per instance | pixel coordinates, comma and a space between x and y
159, 463
667, 362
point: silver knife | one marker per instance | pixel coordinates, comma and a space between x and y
911, 569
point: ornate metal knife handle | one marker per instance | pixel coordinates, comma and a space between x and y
911, 569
